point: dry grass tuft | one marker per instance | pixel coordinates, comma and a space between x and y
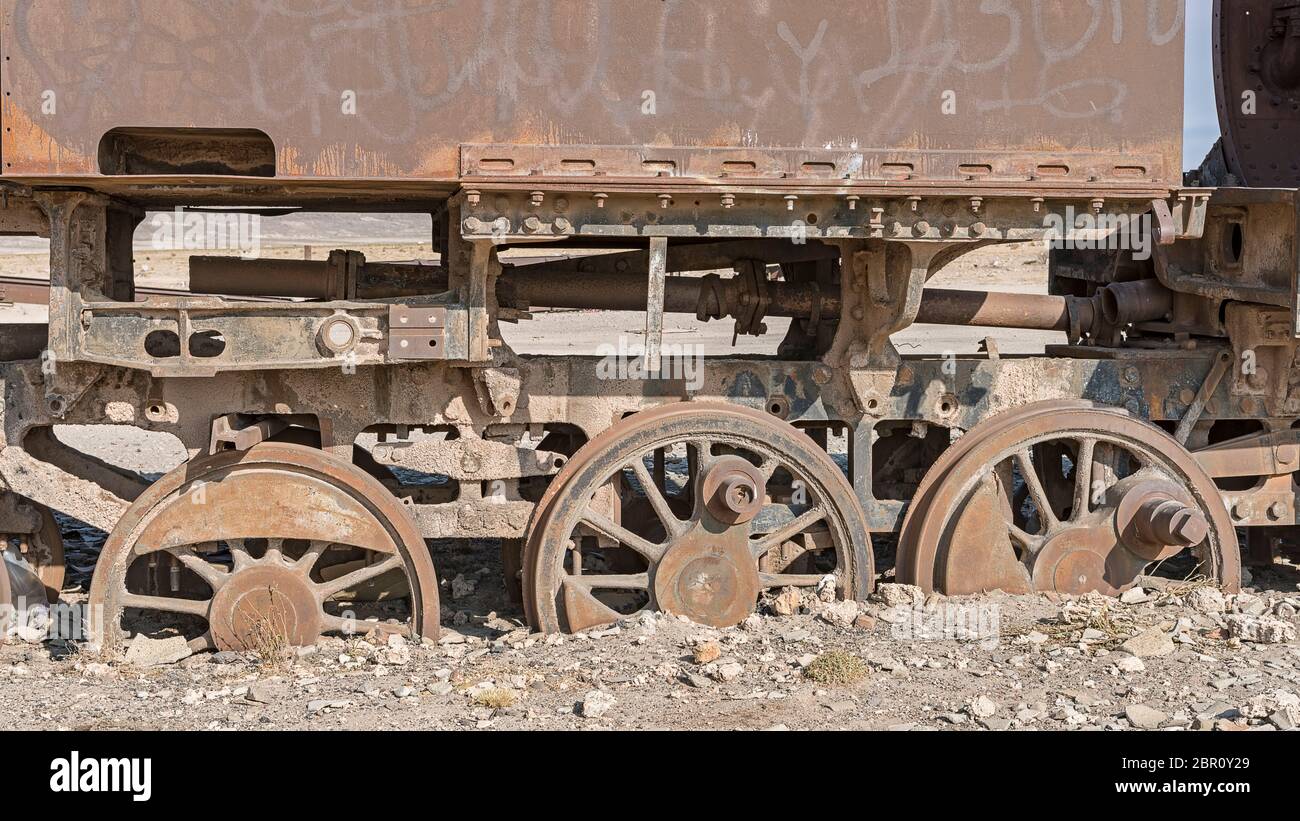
266, 633
836, 668
496, 699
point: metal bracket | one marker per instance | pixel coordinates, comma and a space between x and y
417, 333
1203, 396
654, 304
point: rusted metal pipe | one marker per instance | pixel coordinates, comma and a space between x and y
1124, 303
344, 275
941, 306
298, 278
708, 297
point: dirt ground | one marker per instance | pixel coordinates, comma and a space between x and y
1172, 661
1170, 656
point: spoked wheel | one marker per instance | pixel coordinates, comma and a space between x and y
235, 551
693, 509
1065, 498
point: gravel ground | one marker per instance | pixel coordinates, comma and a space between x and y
1173, 657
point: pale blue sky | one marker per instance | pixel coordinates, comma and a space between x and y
1201, 123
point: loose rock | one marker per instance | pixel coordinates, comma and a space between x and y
1143, 717
900, 595
1260, 629
146, 652
840, 613
787, 602
1131, 664
1206, 601
1152, 643
982, 707
595, 704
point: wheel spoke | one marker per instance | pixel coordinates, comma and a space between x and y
167, 604
274, 551
239, 554
799, 524
703, 450
1083, 479
307, 562
611, 581
202, 643
210, 573
356, 577
583, 610
605, 526
1031, 543
657, 500
1046, 516
767, 580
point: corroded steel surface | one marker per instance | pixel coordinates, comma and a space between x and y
834, 87
1257, 79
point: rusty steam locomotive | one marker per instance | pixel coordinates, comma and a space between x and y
817, 162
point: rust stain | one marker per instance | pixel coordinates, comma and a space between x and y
29, 148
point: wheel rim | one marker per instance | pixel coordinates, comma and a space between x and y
1067, 500
615, 535
244, 539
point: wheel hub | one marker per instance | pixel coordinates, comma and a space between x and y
262, 605
1157, 522
710, 579
733, 491
1084, 560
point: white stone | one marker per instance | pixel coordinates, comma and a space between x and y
1131, 664
595, 704
1260, 629
1135, 595
840, 613
983, 707
900, 595
1207, 601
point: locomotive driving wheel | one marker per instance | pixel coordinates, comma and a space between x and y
1065, 498
247, 538
693, 509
